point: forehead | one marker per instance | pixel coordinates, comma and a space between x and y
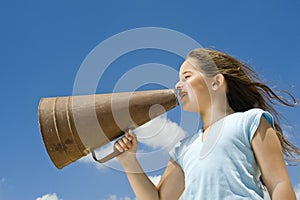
186, 67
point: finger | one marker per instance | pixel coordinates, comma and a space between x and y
118, 147
126, 141
122, 144
128, 136
132, 137
130, 132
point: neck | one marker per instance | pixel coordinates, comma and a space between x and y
215, 113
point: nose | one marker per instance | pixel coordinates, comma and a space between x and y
179, 85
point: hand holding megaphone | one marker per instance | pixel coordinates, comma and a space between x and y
127, 143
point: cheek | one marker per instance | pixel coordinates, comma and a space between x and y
199, 91
198, 86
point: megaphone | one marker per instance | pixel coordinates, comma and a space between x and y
74, 126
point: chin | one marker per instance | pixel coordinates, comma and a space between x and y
190, 104
189, 108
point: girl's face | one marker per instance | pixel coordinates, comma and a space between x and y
192, 88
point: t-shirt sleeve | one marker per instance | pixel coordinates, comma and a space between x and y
253, 119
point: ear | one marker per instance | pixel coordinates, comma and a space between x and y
218, 81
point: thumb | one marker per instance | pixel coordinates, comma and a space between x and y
133, 137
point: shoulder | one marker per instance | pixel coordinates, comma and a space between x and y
252, 112
248, 118
254, 115
252, 120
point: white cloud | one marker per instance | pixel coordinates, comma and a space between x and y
112, 197
160, 132
115, 197
288, 132
297, 191
48, 197
155, 179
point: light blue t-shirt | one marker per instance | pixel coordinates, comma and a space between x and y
222, 166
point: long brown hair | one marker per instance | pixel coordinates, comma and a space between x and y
245, 90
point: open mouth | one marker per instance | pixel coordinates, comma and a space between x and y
182, 95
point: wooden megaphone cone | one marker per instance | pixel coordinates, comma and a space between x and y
74, 126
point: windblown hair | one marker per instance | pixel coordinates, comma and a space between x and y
245, 90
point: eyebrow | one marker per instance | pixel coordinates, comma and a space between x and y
185, 72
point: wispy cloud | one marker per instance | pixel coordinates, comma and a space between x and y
2, 185
2, 181
48, 197
115, 197
287, 131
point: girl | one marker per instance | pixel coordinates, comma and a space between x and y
239, 143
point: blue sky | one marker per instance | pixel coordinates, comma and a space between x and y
43, 46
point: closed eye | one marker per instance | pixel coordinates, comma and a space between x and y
187, 76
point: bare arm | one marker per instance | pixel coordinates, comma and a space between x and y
267, 150
171, 184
